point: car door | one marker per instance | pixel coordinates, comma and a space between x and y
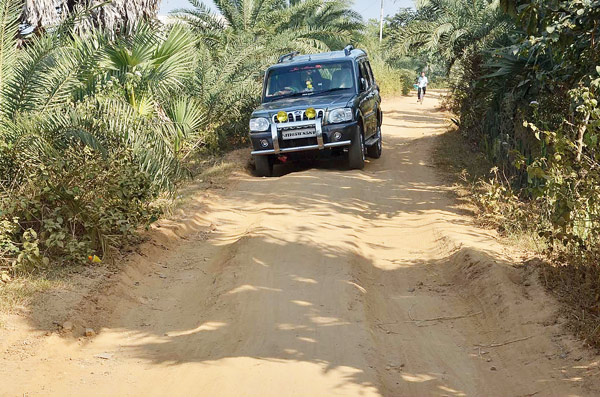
376, 95
367, 100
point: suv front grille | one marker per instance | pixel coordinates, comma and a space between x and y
297, 142
299, 116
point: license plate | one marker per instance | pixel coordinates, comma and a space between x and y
298, 133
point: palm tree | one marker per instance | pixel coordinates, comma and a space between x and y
332, 22
449, 27
108, 93
41, 14
320, 24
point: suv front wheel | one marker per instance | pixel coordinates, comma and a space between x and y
264, 165
356, 152
374, 151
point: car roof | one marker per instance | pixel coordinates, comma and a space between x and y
321, 57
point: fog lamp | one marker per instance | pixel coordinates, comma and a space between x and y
264, 143
311, 113
282, 116
337, 136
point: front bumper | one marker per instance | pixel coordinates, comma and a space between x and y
323, 140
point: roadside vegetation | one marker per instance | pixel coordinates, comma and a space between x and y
393, 77
525, 78
101, 119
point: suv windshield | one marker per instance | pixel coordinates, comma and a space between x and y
309, 79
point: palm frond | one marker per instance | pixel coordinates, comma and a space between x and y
10, 11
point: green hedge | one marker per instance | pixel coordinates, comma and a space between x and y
393, 81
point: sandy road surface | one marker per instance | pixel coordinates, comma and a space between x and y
321, 282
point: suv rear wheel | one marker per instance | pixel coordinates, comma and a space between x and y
264, 165
356, 152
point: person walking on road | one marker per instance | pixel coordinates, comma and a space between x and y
422, 87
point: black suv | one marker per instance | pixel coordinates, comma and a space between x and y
318, 102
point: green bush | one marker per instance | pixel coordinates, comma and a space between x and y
92, 130
393, 81
532, 106
73, 207
439, 83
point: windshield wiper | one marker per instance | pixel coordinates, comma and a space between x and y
308, 93
295, 94
332, 90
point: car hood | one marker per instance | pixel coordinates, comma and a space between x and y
325, 102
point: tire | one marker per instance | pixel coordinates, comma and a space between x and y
264, 166
356, 152
374, 151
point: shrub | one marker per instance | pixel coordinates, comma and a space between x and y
74, 206
393, 81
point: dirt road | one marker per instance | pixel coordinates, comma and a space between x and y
320, 282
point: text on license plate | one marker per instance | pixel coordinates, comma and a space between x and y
299, 133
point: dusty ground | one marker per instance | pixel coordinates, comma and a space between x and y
320, 282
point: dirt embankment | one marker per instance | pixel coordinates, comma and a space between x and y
320, 282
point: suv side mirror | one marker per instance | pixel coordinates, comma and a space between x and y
363, 84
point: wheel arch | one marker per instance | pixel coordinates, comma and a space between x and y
361, 122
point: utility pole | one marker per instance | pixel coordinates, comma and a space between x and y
381, 23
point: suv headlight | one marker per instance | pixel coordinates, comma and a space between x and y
259, 124
339, 115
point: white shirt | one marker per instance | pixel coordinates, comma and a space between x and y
423, 82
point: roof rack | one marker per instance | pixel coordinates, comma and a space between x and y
289, 56
348, 49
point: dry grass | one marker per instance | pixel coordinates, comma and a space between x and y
576, 285
464, 166
210, 173
17, 293
457, 157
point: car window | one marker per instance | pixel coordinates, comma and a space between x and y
370, 72
364, 73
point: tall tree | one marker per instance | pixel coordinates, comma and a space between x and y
448, 28
40, 14
322, 24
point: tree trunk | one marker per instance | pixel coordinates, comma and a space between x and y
40, 14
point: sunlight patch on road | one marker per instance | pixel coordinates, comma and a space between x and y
251, 288
361, 289
292, 327
301, 303
208, 326
450, 390
305, 339
326, 321
417, 378
305, 280
259, 262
